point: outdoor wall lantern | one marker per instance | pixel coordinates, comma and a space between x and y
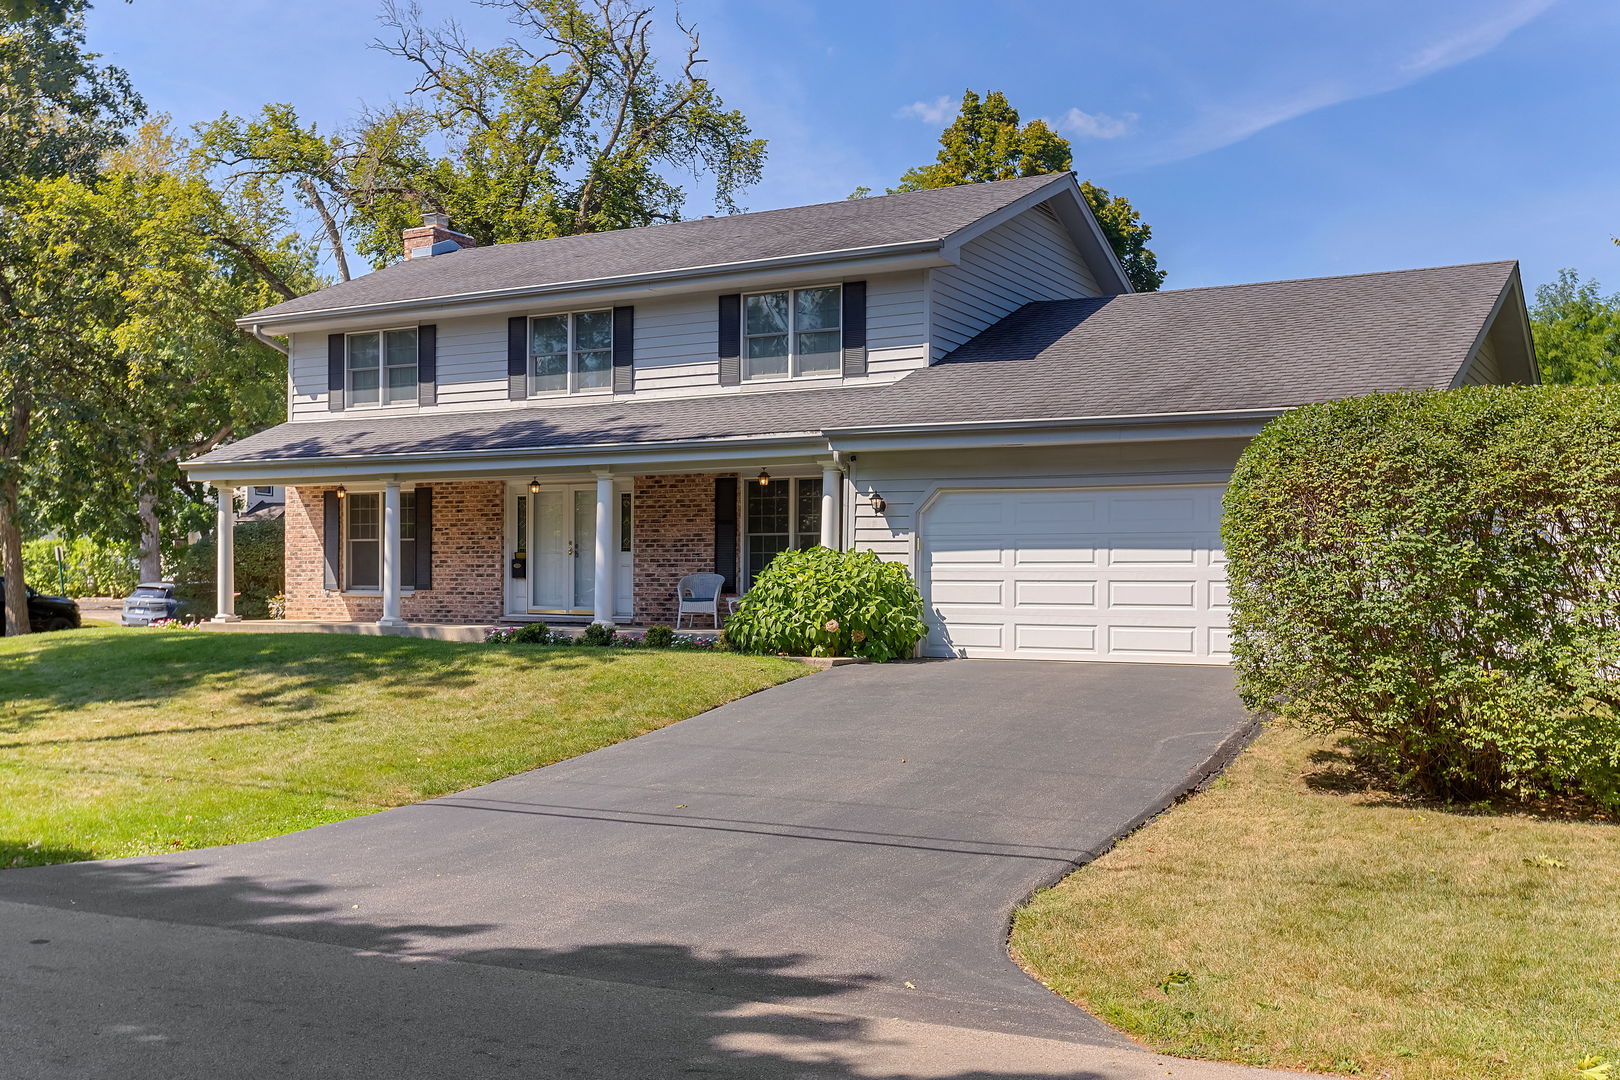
878, 503
342, 492
534, 487
764, 478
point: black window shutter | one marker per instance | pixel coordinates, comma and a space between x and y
517, 357
624, 350
854, 328
427, 365
424, 538
332, 538
731, 339
335, 359
725, 531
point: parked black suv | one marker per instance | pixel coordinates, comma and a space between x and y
46, 612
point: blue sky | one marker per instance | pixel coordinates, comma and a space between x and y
1261, 140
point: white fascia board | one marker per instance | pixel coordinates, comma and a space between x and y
622, 458
1243, 424
881, 259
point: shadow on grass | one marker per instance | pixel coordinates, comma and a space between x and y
20, 853
299, 679
723, 1024
1343, 770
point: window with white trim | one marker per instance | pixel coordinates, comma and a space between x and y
382, 367
793, 333
571, 353
362, 540
779, 516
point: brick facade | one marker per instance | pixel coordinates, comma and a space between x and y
674, 536
469, 562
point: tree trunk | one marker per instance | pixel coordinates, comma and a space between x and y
151, 568
11, 559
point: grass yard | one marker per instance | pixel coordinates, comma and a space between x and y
1274, 920
124, 742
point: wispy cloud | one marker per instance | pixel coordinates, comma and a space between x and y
942, 110
1224, 123
1087, 125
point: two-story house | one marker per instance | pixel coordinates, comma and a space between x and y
957, 379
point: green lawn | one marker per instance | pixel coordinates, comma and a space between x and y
1278, 920
123, 742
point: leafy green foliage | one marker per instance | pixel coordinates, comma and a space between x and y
660, 637
570, 126
986, 142
89, 567
1433, 574
822, 602
535, 633
259, 563
597, 634
1577, 331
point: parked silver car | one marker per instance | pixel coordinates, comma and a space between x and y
151, 601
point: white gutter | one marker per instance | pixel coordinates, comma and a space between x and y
1062, 421
516, 292
260, 335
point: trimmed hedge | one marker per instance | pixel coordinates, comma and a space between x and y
260, 552
89, 568
822, 602
1437, 575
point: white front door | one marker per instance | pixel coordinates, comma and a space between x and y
562, 564
1076, 574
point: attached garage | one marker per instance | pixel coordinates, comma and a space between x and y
1119, 573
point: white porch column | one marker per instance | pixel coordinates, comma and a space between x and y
225, 554
832, 491
390, 557
604, 549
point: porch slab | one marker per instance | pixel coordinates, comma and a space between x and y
432, 631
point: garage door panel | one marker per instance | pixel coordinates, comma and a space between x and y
1132, 595
1067, 594
1094, 574
1153, 640
1078, 641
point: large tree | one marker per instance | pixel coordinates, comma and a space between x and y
569, 126
1577, 331
987, 142
178, 263
59, 113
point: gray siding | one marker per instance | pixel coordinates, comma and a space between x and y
1028, 258
1485, 368
908, 480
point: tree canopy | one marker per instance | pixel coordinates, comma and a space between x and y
569, 126
1577, 331
987, 142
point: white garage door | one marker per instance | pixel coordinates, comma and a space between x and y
1099, 574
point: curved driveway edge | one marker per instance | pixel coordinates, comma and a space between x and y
852, 842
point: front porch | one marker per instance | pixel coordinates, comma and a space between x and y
426, 630
446, 555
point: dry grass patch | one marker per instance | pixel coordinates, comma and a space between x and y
127, 742
1275, 921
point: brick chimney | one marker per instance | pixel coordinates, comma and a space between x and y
421, 241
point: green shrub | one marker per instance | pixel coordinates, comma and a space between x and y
259, 559
1435, 575
828, 603
596, 634
660, 637
89, 568
535, 633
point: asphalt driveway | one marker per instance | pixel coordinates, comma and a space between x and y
807, 882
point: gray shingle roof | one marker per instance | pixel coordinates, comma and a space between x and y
1229, 348
682, 245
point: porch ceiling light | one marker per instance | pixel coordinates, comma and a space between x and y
534, 487
342, 492
764, 478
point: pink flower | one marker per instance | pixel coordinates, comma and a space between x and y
858, 636
832, 626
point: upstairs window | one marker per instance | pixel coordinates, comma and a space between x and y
571, 354
382, 367
793, 333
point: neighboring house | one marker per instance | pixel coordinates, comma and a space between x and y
261, 502
957, 379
